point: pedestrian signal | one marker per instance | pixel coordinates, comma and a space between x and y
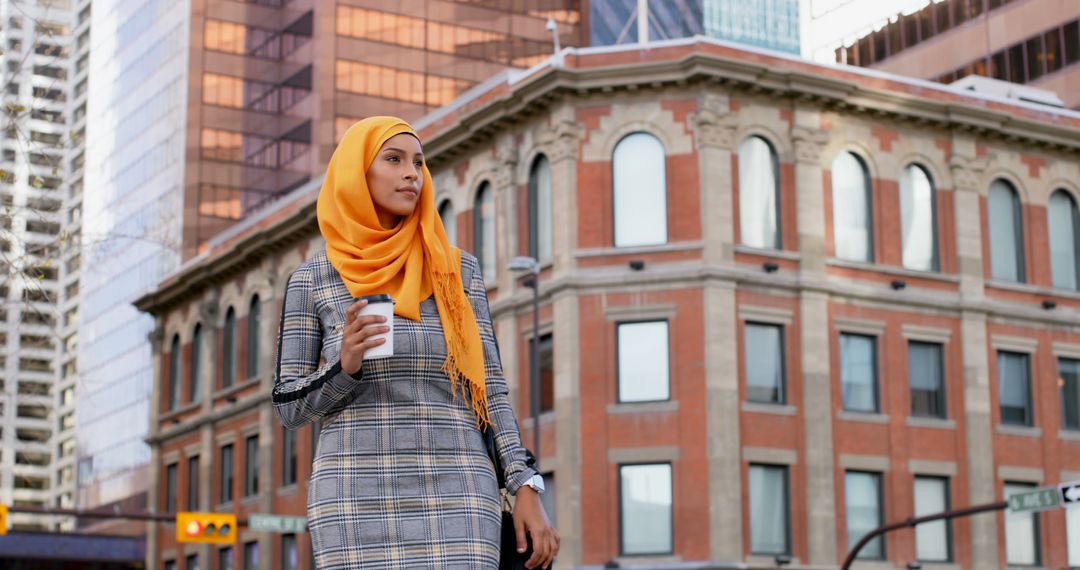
3, 519
206, 528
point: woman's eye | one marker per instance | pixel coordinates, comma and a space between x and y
419, 163
392, 158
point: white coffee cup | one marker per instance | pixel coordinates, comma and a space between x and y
380, 305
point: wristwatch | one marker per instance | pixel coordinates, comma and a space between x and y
536, 482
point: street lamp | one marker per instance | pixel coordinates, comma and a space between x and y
523, 264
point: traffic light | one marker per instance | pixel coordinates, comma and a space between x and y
3, 518
207, 528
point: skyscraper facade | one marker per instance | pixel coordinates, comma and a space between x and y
769, 24
204, 111
36, 285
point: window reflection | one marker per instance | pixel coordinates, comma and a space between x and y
391, 83
917, 225
1006, 233
640, 191
1064, 226
226, 36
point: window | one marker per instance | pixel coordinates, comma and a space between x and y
449, 221
864, 512
226, 473
193, 483
484, 230
253, 327
170, 565
174, 373
1014, 389
764, 352
1006, 233
643, 361
194, 390
546, 356
645, 509
228, 357
769, 508
1064, 226
927, 379
759, 194
1072, 535
191, 562
251, 466
852, 228
251, 555
1021, 531
639, 181
933, 540
288, 467
540, 210
288, 552
1069, 380
918, 220
858, 372
170, 488
225, 558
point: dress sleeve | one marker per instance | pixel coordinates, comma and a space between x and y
305, 392
507, 436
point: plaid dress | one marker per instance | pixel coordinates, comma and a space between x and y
401, 478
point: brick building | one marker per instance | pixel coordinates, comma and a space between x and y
781, 303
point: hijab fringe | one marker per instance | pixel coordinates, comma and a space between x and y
453, 316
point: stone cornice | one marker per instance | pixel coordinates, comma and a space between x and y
477, 123
248, 251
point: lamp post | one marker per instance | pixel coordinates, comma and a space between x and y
522, 264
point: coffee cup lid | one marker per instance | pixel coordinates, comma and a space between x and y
381, 298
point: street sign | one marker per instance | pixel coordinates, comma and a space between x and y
277, 523
1035, 500
1070, 494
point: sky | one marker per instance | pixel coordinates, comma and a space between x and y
829, 23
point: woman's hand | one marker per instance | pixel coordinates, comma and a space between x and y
358, 335
529, 517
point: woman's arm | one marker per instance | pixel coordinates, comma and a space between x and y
303, 391
507, 437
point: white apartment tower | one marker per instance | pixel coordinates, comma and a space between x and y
39, 205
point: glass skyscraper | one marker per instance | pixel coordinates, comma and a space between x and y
769, 24
132, 228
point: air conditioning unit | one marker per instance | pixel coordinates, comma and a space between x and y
990, 86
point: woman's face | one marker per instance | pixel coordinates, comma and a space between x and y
395, 179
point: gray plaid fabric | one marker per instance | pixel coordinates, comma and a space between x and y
401, 478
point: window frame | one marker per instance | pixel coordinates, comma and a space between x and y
449, 226
950, 547
193, 502
480, 248
194, 372
285, 563
879, 478
228, 349
778, 241
1065, 424
535, 197
175, 362
251, 468
172, 486
1029, 409
615, 193
786, 469
1019, 242
618, 368
254, 324
935, 257
783, 387
622, 515
227, 474
1035, 526
289, 457
1074, 218
942, 400
875, 367
868, 189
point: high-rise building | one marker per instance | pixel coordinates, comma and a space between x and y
770, 24
36, 285
204, 112
1030, 42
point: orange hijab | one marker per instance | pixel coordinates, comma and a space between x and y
409, 262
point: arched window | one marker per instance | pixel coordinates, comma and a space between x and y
1006, 233
759, 194
194, 388
228, 357
484, 230
639, 178
917, 220
253, 328
853, 229
449, 221
173, 388
540, 210
1064, 225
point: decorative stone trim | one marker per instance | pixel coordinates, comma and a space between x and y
770, 315
1025, 474
928, 467
1014, 343
928, 334
860, 326
775, 409
643, 454
864, 462
770, 455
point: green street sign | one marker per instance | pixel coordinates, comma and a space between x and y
277, 523
1035, 500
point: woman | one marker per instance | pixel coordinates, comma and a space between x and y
402, 478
